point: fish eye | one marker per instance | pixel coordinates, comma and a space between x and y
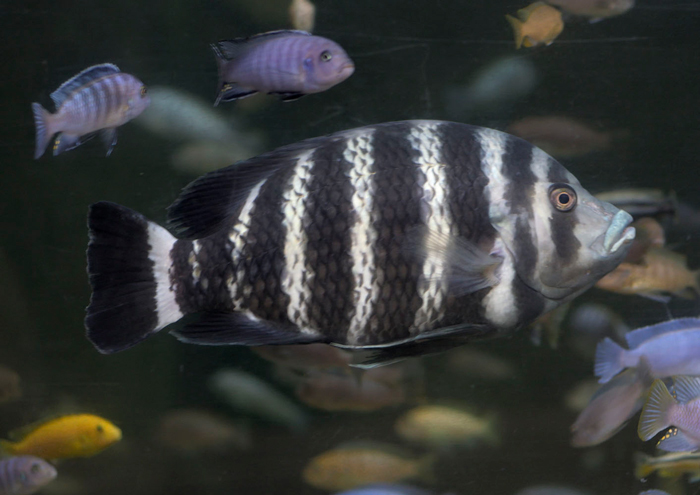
100, 429
144, 90
35, 468
562, 197
326, 56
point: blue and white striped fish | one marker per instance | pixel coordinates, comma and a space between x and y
24, 475
99, 99
398, 238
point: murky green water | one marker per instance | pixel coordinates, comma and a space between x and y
638, 72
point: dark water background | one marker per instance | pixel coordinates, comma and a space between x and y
638, 72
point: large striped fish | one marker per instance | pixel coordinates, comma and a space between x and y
98, 100
397, 238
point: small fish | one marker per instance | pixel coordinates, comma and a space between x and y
642, 202
24, 475
670, 348
612, 406
385, 489
393, 240
662, 410
290, 64
594, 9
563, 137
248, 393
538, 24
99, 99
78, 435
10, 388
302, 14
671, 465
196, 431
443, 427
305, 356
351, 466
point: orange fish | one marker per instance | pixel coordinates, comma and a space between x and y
538, 24
78, 435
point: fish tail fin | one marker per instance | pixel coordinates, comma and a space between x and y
642, 466
42, 122
7, 447
654, 415
608, 359
128, 263
517, 26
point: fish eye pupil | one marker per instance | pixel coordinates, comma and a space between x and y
326, 56
100, 429
564, 198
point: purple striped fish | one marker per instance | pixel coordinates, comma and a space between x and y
99, 99
24, 475
290, 64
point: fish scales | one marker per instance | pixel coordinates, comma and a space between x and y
319, 247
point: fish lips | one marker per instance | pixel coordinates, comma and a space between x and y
618, 238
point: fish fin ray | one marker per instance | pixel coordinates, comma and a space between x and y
240, 329
42, 122
66, 89
128, 262
687, 388
636, 337
653, 417
608, 359
517, 26
469, 268
66, 142
109, 138
674, 440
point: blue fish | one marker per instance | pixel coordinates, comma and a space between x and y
24, 475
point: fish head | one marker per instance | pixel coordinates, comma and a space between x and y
32, 473
325, 65
98, 434
561, 237
138, 99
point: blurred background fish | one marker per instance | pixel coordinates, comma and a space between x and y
24, 475
589, 323
310, 64
99, 99
595, 10
302, 15
78, 435
199, 157
537, 24
671, 465
354, 465
386, 489
248, 393
10, 386
472, 362
194, 431
305, 356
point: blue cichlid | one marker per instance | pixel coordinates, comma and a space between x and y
290, 64
670, 348
99, 99
24, 475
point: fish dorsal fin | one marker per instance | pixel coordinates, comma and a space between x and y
18, 434
90, 74
231, 49
212, 201
636, 337
687, 388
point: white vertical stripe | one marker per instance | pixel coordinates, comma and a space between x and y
363, 236
499, 303
296, 275
432, 285
162, 242
238, 238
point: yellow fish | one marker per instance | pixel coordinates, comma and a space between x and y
346, 467
538, 24
78, 435
668, 466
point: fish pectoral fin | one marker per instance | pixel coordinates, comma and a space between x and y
67, 142
109, 139
674, 440
240, 329
231, 92
464, 266
288, 96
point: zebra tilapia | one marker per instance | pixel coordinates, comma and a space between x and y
398, 239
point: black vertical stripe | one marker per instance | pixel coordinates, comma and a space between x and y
216, 269
181, 278
398, 196
556, 172
562, 224
329, 217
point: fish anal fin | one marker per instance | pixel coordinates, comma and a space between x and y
240, 329
231, 92
109, 139
674, 440
66, 89
66, 142
687, 388
636, 337
286, 97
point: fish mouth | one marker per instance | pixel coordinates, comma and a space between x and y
347, 69
619, 232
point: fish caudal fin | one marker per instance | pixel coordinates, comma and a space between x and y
128, 263
517, 26
608, 360
7, 448
654, 414
227, 91
42, 121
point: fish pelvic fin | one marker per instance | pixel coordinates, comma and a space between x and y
643, 468
128, 264
517, 26
654, 414
608, 360
42, 122
674, 440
